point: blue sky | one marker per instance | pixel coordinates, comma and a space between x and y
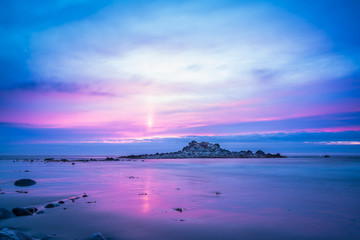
119, 77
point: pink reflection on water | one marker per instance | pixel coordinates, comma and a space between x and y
286, 195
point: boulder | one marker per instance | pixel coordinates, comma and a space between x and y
21, 212
260, 154
32, 209
12, 234
97, 236
52, 205
24, 182
5, 213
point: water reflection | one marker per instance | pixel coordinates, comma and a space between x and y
314, 198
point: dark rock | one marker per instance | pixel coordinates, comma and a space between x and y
61, 202
52, 205
22, 191
24, 182
260, 154
85, 195
204, 150
5, 213
26, 171
218, 193
327, 156
32, 209
73, 163
97, 236
178, 209
21, 212
74, 198
12, 234
40, 212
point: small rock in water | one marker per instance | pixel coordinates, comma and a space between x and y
32, 209
5, 213
22, 191
178, 209
21, 212
12, 234
218, 193
74, 198
52, 205
85, 195
97, 236
26, 171
40, 212
61, 202
24, 182
73, 163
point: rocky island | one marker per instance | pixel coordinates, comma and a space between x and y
205, 150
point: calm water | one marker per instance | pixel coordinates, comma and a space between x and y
293, 198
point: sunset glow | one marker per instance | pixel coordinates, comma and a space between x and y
117, 72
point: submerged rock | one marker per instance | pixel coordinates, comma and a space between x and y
52, 205
5, 213
24, 182
12, 234
22, 191
21, 212
97, 236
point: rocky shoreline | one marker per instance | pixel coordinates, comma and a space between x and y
205, 150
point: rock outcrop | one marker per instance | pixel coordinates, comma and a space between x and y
205, 150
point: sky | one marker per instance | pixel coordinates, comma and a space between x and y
128, 77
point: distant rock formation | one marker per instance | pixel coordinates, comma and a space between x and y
205, 150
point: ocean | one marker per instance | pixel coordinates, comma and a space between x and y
279, 198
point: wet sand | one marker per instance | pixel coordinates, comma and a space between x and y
294, 198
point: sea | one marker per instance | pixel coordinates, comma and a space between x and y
277, 198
